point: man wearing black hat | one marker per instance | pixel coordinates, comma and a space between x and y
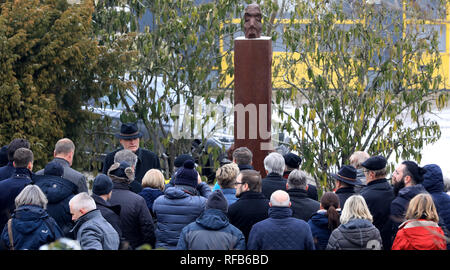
293, 162
101, 193
346, 181
407, 181
378, 195
129, 138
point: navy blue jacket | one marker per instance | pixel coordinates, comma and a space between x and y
433, 181
319, 229
176, 209
150, 195
280, 231
400, 204
59, 192
211, 231
32, 227
9, 189
7, 171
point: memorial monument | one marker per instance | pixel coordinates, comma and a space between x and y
253, 88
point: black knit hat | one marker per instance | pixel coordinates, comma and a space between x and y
179, 161
217, 201
416, 171
102, 185
292, 160
187, 175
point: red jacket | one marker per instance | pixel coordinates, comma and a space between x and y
419, 234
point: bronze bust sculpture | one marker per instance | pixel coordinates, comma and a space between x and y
252, 21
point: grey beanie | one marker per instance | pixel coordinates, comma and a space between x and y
217, 201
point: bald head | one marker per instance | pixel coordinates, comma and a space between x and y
280, 198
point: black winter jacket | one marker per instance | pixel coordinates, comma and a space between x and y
250, 208
302, 206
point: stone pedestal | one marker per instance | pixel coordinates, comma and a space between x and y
253, 97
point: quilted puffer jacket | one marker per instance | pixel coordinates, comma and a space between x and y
280, 231
357, 234
211, 231
174, 210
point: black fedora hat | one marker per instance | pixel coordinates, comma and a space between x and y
129, 131
347, 174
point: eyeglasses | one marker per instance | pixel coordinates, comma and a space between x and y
238, 183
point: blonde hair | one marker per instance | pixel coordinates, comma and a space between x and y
154, 179
422, 207
227, 174
355, 207
357, 158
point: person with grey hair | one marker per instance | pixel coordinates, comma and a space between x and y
30, 226
129, 157
303, 207
280, 231
91, 228
274, 166
63, 154
129, 138
136, 221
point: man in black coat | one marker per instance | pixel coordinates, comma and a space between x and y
274, 165
252, 206
129, 138
302, 206
346, 180
136, 221
378, 195
101, 193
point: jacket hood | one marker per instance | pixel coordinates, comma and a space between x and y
409, 192
175, 193
433, 180
358, 231
55, 188
320, 219
28, 218
213, 219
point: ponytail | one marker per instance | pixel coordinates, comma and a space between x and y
333, 218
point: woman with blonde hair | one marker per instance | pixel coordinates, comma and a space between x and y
420, 231
153, 185
226, 177
356, 230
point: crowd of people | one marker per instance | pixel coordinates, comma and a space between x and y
131, 204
